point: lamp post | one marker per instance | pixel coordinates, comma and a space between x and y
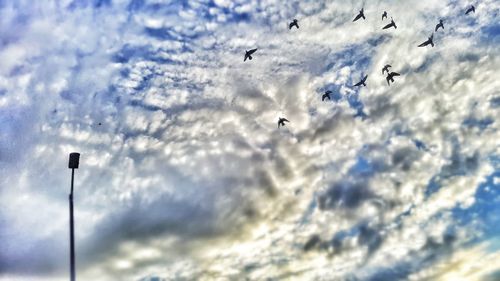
74, 159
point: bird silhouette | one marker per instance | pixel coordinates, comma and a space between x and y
390, 77
429, 41
392, 24
362, 82
384, 15
248, 54
386, 68
281, 122
293, 23
440, 24
471, 9
326, 95
360, 15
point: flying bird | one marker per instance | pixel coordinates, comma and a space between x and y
390, 77
293, 23
326, 95
362, 82
281, 122
248, 54
360, 15
440, 24
384, 15
429, 41
392, 24
386, 68
471, 9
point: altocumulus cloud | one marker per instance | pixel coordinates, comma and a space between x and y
184, 175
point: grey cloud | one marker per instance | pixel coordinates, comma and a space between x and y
431, 252
405, 157
312, 242
349, 195
492, 276
184, 219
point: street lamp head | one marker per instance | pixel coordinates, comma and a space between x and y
74, 159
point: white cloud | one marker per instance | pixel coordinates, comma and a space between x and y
188, 175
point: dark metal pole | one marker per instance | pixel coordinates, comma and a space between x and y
74, 159
71, 230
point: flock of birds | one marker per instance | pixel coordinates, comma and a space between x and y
390, 74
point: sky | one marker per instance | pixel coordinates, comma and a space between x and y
184, 173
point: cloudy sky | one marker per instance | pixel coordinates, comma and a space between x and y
184, 174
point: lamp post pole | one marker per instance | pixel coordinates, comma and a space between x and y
74, 159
